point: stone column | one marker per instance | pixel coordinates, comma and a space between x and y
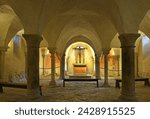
2, 63
43, 53
118, 65
26, 65
62, 67
33, 42
136, 65
105, 53
97, 66
52, 51
128, 66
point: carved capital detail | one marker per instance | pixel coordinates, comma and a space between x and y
52, 50
106, 51
128, 39
33, 40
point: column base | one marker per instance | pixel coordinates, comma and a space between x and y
61, 78
106, 85
52, 83
127, 98
33, 93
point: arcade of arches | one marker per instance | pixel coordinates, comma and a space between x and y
53, 40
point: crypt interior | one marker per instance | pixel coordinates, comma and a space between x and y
43, 42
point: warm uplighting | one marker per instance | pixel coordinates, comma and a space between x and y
43, 51
112, 52
47, 52
80, 47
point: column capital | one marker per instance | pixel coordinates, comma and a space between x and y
3, 48
33, 40
43, 51
106, 51
52, 50
128, 39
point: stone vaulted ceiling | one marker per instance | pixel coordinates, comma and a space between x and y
59, 21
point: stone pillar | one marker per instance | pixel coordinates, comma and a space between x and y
128, 66
43, 53
118, 65
2, 63
136, 65
33, 42
97, 66
105, 53
52, 51
62, 67
26, 65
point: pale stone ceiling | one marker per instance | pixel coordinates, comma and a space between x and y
145, 24
61, 20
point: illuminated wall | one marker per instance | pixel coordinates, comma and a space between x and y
144, 56
89, 59
47, 64
15, 57
114, 63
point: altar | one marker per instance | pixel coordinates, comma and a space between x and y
80, 62
80, 69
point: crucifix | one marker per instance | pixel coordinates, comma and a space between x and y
79, 55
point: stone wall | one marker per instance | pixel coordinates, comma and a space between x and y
15, 61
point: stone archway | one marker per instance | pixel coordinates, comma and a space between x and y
15, 59
80, 60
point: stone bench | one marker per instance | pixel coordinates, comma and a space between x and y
90, 80
145, 80
14, 85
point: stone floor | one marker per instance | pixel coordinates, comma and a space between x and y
74, 92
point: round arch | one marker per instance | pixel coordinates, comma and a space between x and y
15, 60
79, 38
12, 24
79, 59
144, 26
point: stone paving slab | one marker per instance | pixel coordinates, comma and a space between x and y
74, 92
